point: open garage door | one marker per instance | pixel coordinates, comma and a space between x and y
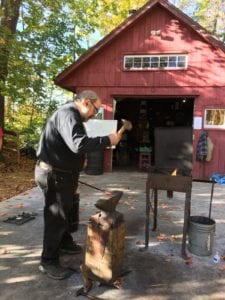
137, 149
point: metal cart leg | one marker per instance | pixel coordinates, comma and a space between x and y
187, 210
155, 209
147, 214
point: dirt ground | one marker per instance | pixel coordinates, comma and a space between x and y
16, 178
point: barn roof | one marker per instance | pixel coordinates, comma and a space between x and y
130, 20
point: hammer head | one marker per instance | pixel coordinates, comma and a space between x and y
109, 204
126, 124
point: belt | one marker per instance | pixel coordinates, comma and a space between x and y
43, 165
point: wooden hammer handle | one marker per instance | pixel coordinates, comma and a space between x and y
121, 130
126, 126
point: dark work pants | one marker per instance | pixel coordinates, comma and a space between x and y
59, 189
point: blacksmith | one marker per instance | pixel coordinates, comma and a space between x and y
61, 155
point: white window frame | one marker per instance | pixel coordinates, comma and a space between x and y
213, 126
154, 60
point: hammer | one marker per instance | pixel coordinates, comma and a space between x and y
126, 126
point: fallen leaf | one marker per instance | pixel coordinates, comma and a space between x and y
126, 203
4, 251
20, 206
160, 237
165, 206
172, 237
188, 261
3, 214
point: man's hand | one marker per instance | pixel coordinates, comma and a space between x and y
114, 138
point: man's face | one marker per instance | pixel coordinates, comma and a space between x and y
91, 108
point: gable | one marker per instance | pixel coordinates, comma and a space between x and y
158, 30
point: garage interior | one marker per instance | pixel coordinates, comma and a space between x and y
153, 120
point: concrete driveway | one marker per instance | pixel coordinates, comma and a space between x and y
156, 273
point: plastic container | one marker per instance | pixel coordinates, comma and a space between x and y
216, 258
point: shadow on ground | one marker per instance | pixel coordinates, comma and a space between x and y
156, 273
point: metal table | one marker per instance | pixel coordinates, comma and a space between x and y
181, 184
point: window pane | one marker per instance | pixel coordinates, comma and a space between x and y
146, 62
172, 61
154, 62
128, 62
181, 61
163, 61
137, 62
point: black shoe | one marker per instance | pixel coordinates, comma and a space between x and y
55, 271
72, 248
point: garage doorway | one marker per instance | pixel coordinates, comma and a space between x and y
146, 116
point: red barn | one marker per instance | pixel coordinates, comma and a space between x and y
166, 74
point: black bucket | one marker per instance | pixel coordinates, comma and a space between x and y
201, 235
95, 163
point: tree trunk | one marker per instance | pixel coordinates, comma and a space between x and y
2, 115
9, 17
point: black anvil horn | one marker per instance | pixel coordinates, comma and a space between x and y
109, 204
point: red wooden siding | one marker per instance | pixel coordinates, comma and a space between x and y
106, 68
204, 78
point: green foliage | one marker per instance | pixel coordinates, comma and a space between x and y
51, 34
111, 13
209, 14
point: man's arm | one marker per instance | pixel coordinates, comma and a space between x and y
74, 135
